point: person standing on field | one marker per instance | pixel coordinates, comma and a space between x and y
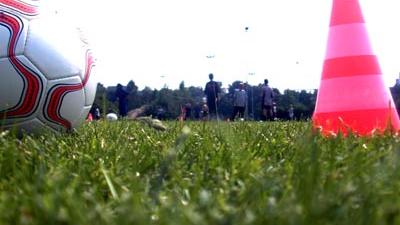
291, 112
239, 102
267, 100
122, 95
212, 91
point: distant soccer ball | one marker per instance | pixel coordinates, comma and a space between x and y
46, 79
111, 117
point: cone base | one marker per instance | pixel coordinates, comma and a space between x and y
360, 122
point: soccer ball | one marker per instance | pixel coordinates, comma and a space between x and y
46, 70
112, 117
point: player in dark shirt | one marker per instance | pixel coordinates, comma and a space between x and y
211, 91
122, 95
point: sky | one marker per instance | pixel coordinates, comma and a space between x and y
160, 43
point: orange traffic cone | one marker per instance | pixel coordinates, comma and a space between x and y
352, 94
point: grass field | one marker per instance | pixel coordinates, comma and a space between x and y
204, 173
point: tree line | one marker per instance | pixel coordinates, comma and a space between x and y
167, 103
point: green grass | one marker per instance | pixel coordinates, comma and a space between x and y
207, 173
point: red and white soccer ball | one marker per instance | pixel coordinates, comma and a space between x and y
46, 79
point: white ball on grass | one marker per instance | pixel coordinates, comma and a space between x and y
111, 117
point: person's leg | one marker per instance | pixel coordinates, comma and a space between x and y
233, 114
235, 111
264, 113
122, 110
268, 112
212, 109
206, 116
271, 114
241, 112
